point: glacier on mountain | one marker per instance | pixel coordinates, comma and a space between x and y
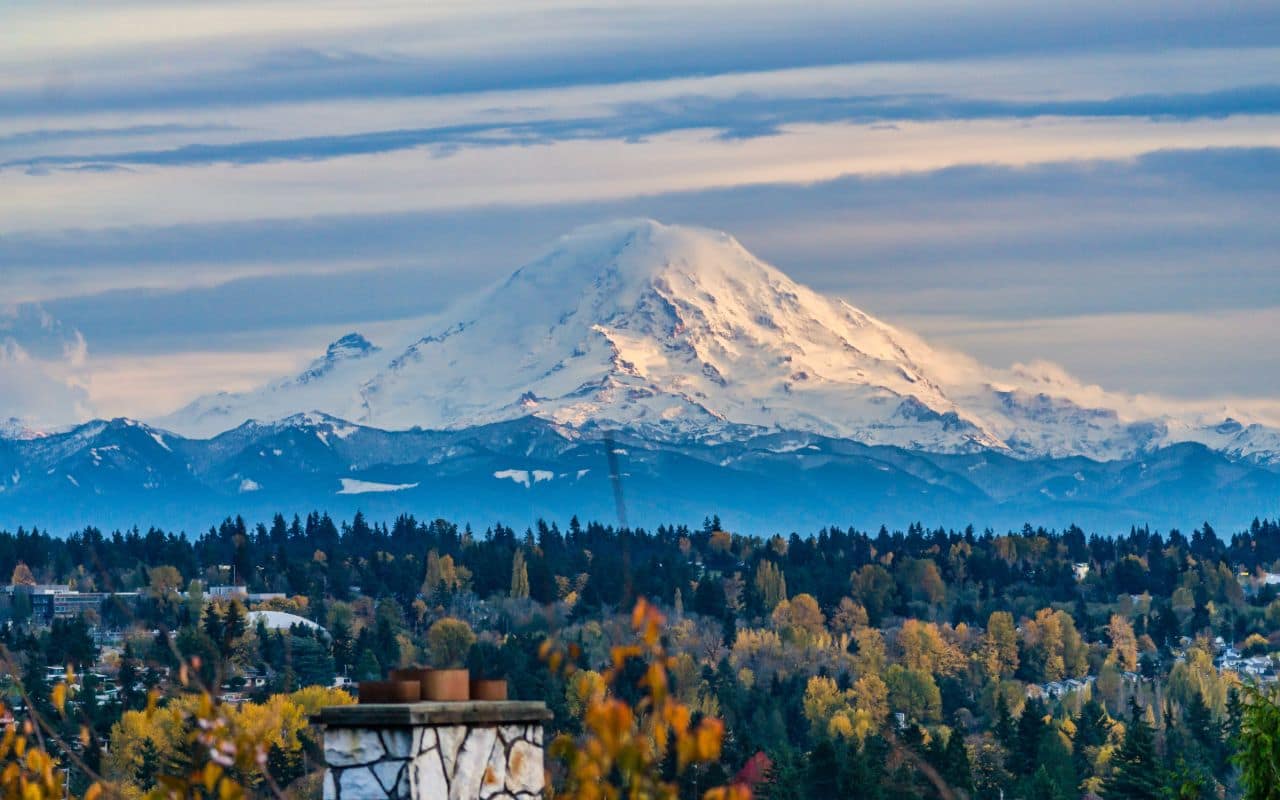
681, 333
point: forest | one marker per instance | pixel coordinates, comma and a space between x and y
1037, 663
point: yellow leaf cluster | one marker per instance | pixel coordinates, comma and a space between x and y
622, 748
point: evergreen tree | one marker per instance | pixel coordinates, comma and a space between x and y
956, 768
1135, 770
342, 646
786, 779
1026, 744
1053, 756
1003, 727
1203, 730
822, 775
233, 624
367, 667
1042, 787
212, 624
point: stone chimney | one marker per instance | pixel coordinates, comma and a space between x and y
478, 750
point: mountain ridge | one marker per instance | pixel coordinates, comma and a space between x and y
122, 473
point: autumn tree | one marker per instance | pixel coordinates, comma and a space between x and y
22, 575
1124, 645
450, 639
923, 648
869, 657
874, 588
519, 576
443, 575
848, 616
1000, 645
1052, 646
635, 749
799, 620
913, 692
770, 584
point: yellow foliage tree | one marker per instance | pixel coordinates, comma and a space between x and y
623, 748
1000, 645
771, 584
799, 619
1124, 644
848, 617
923, 648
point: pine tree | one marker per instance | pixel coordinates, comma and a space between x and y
1003, 727
957, 769
1091, 733
1135, 771
1042, 787
822, 777
786, 780
234, 623
1026, 743
212, 623
367, 667
1256, 745
1200, 724
1054, 758
340, 636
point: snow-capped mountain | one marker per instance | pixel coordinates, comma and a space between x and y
681, 333
672, 363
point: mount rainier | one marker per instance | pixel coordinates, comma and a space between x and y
727, 386
680, 332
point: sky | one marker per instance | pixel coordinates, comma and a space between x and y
200, 196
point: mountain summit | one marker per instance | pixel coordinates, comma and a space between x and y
678, 332
669, 329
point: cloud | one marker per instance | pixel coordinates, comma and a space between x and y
743, 116
40, 360
587, 171
248, 56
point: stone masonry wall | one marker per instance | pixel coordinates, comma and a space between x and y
471, 761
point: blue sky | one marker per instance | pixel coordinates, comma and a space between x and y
201, 196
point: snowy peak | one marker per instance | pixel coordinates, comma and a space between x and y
640, 324
351, 347
681, 333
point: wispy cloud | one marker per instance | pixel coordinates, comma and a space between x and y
743, 116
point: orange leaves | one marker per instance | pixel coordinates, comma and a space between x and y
59, 698
28, 770
701, 745
624, 747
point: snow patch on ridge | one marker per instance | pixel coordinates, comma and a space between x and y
353, 486
524, 477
